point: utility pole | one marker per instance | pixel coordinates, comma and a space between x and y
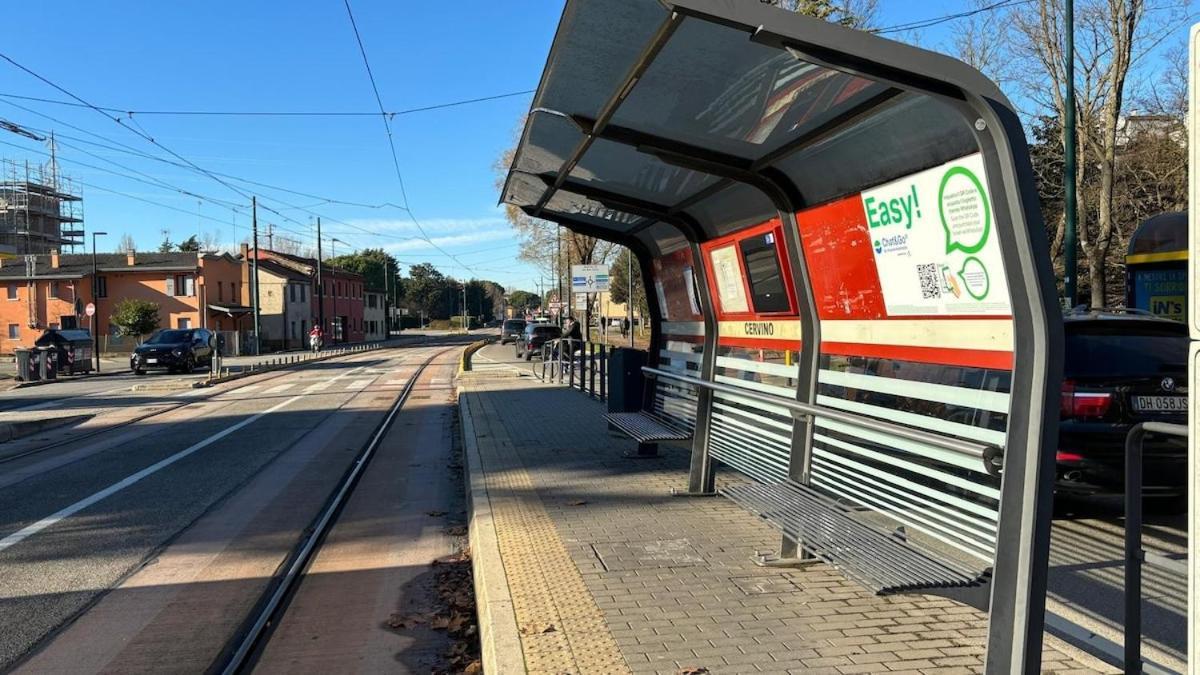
466, 328
254, 277
387, 296
558, 271
333, 256
629, 298
320, 282
1069, 170
95, 301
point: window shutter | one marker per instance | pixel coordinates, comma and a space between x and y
170, 285
190, 285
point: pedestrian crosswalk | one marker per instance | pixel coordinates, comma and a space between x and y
278, 389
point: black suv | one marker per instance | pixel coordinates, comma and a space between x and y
512, 331
1121, 368
175, 349
535, 335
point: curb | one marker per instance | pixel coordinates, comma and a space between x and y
499, 637
11, 431
464, 364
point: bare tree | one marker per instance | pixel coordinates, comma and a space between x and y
210, 241
127, 245
853, 13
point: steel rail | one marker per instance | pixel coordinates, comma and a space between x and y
238, 384
272, 604
990, 455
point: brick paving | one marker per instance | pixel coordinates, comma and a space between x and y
666, 584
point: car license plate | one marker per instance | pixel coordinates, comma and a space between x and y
151, 360
1160, 403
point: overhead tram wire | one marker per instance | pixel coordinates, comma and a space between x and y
391, 141
127, 149
277, 113
142, 134
933, 21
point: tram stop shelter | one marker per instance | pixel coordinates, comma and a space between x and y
853, 309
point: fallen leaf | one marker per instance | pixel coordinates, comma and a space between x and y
538, 629
457, 531
579, 502
404, 622
473, 668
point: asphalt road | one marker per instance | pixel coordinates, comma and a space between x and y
72, 530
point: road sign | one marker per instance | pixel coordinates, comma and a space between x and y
589, 278
90, 310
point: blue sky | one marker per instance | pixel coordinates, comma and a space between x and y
301, 55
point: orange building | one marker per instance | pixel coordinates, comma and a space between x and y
192, 290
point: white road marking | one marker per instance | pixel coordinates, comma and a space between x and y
315, 387
246, 389
279, 388
32, 529
358, 384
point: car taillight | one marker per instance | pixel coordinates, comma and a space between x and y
1063, 456
1083, 403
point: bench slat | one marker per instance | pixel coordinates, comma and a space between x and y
645, 428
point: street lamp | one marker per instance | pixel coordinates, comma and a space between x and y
95, 302
333, 256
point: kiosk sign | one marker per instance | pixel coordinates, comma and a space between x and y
933, 237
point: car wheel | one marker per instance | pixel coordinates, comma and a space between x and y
139, 371
189, 365
528, 356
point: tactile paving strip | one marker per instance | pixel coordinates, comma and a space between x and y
562, 628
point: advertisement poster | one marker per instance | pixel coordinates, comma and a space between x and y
728, 273
933, 235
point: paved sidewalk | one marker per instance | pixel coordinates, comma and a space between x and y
608, 573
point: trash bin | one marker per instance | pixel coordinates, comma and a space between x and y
47, 361
27, 365
74, 349
626, 382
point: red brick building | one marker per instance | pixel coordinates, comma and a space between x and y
339, 303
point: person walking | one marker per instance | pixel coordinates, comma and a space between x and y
625, 327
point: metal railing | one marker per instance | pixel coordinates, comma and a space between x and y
991, 455
1135, 556
579, 364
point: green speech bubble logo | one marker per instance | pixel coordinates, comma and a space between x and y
965, 213
975, 279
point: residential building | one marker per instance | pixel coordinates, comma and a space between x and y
338, 299
285, 306
54, 291
374, 319
40, 210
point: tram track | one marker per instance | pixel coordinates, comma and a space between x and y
236, 384
307, 531
240, 653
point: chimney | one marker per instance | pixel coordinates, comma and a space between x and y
245, 251
129, 260
54, 258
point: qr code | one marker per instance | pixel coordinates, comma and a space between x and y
931, 282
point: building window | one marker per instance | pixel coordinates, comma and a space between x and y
292, 292
101, 287
293, 330
12, 292
302, 293
14, 331
68, 322
181, 285
220, 291
183, 323
52, 289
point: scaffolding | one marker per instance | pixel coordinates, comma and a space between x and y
40, 210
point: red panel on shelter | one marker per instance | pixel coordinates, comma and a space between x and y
840, 264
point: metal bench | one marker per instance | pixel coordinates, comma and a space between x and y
671, 415
883, 561
896, 508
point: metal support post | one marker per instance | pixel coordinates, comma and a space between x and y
254, 273
603, 372
1070, 267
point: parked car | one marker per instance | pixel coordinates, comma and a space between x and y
173, 349
512, 331
494, 323
535, 335
1121, 368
